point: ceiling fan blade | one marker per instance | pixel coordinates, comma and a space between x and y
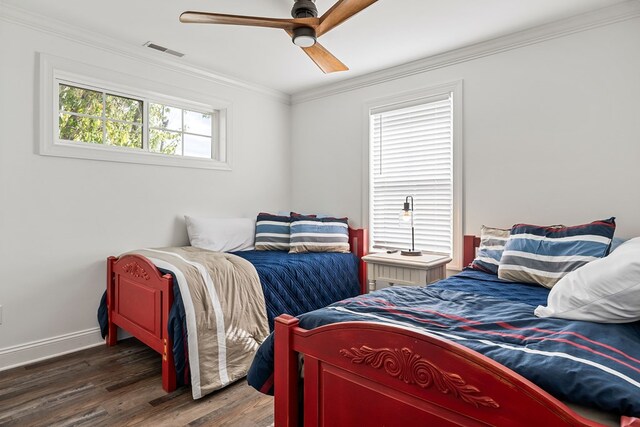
340, 12
192, 17
324, 59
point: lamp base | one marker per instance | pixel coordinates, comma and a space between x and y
411, 253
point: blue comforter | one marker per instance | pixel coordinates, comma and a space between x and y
592, 364
292, 284
298, 283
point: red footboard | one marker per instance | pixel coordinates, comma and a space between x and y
378, 375
139, 299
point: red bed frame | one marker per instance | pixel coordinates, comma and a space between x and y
139, 298
371, 374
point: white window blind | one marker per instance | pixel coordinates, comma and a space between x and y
412, 155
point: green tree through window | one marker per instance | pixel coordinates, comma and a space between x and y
99, 117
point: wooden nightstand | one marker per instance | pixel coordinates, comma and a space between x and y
405, 270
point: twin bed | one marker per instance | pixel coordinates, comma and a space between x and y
446, 354
229, 313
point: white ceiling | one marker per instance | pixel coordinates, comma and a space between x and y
388, 33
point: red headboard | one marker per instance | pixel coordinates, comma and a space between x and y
470, 244
359, 244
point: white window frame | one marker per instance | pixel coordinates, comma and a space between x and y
406, 99
55, 71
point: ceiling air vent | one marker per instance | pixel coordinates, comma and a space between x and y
163, 49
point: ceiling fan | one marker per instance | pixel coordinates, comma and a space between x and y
304, 28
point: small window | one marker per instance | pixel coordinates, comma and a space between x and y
99, 117
105, 115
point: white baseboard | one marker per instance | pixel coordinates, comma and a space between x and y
35, 351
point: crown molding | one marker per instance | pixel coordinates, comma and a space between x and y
598, 18
22, 17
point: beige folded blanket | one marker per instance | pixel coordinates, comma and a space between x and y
225, 312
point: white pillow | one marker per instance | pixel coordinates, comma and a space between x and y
606, 290
221, 234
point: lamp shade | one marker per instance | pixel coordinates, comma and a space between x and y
405, 218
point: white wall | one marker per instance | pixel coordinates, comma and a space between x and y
61, 217
551, 134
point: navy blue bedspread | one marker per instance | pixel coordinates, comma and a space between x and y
591, 364
298, 283
292, 284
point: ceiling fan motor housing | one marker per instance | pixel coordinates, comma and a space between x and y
304, 36
304, 9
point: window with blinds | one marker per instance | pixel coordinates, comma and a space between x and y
411, 154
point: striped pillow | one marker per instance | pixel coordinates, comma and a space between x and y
544, 255
272, 232
492, 241
319, 235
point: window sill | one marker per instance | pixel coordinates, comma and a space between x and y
106, 153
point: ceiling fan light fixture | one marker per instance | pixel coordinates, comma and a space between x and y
304, 36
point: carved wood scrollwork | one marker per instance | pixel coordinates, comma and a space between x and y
134, 269
411, 368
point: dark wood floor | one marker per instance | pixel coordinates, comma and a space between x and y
120, 386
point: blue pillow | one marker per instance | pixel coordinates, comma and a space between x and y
544, 255
492, 242
272, 232
310, 234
